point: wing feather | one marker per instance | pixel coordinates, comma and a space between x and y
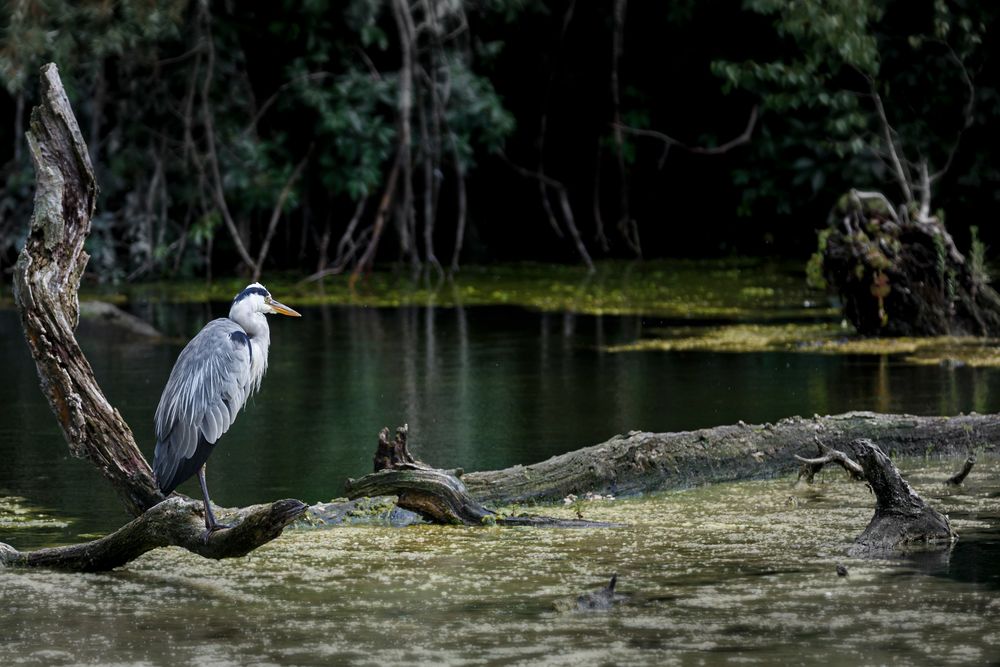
208, 385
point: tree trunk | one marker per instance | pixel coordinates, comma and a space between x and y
46, 280
645, 462
900, 277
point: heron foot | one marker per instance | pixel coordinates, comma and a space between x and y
214, 527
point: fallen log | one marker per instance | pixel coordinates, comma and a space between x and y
437, 495
640, 462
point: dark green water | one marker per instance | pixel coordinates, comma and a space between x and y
480, 388
732, 573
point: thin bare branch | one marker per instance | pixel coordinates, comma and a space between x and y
739, 140
830, 456
902, 177
279, 207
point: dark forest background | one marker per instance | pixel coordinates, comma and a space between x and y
312, 136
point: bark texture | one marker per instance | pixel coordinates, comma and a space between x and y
176, 521
901, 516
437, 495
46, 280
641, 462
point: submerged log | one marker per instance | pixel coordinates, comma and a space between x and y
901, 516
959, 477
104, 313
641, 462
46, 281
437, 495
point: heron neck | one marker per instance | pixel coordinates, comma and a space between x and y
252, 321
255, 324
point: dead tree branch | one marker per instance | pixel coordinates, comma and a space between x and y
741, 139
279, 207
959, 477
176, 522
827, 455
566, 208
46, 280
901, 516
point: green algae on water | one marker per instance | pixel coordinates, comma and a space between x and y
819, 339
723, 290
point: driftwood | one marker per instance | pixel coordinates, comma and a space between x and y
811, 466
640, 462
46, 281
175, 521
959, 477
901, 516
437, 495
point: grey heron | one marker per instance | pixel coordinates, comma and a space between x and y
214, 375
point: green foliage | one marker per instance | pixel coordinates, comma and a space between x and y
814, 267
977, 258
821, 127
165, 90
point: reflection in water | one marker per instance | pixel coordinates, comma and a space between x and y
480, 387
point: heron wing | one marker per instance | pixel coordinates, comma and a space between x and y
209, 384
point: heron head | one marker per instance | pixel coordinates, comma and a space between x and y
256, 299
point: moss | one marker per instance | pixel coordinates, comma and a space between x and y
819, 339
730, 289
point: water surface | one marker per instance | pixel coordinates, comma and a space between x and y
729, 574
732, 573
480, 388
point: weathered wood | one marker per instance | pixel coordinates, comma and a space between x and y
810, 467
959, 477
176, 521
641, 462
901, 516
46, 281
437, 495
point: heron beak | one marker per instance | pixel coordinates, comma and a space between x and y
282, 309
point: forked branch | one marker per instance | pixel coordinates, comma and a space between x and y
828, 455
46, 280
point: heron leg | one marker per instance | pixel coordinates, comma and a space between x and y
211, 525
